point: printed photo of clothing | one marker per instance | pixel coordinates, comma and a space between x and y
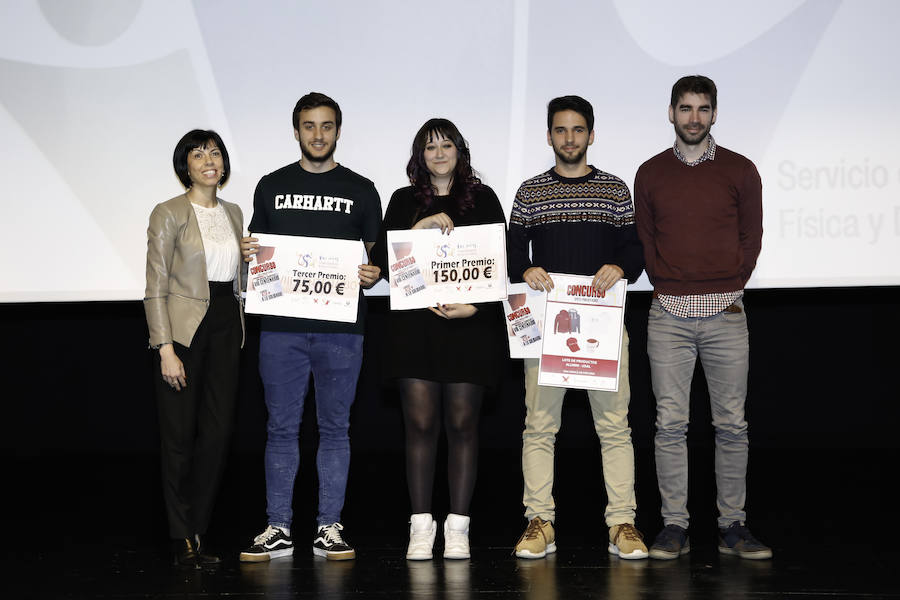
562, 323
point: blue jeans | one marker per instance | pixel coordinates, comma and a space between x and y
722, 343
285, 362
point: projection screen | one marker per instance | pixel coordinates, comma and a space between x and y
95, 93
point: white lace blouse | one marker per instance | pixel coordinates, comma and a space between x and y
219, 242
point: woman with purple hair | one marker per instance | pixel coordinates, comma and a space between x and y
443, 358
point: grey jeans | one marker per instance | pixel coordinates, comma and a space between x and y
722, 343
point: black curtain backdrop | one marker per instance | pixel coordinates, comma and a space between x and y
823, 374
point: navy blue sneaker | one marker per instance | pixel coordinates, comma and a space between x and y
671, 543
737, 540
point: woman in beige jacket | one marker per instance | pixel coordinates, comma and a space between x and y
195, 318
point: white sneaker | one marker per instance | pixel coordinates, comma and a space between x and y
456, 536
422, 529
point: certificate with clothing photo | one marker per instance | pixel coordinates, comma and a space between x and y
582, 334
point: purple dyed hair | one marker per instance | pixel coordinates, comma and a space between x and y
464, 182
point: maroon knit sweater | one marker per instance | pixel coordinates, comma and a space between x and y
701, 226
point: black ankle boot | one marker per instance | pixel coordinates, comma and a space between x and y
203, 557
185, 553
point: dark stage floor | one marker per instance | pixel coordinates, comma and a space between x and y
93, 527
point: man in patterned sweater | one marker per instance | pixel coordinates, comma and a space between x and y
577, 220
699, 216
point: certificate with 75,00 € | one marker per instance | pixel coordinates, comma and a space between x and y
306, 277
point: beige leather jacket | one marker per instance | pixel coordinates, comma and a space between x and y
177, 293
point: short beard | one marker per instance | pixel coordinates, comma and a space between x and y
690, 141
316, 159
573, 160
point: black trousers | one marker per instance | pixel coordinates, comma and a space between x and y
195, 424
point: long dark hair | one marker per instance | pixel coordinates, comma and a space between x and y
464, 181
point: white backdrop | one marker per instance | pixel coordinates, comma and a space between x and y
95, 94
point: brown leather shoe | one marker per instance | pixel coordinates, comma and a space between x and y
185, 553
204, 557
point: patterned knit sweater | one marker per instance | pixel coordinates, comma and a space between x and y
574, 225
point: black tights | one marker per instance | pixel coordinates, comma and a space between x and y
422, 418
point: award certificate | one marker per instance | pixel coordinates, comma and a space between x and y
582, 342
524, 310
467, 265
307, 277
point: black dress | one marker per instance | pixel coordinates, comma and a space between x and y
423, 345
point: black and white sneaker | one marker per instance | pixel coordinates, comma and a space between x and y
331, 545
271, 543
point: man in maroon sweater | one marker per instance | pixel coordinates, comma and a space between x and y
698, 209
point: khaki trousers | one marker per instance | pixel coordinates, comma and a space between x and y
543, 417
